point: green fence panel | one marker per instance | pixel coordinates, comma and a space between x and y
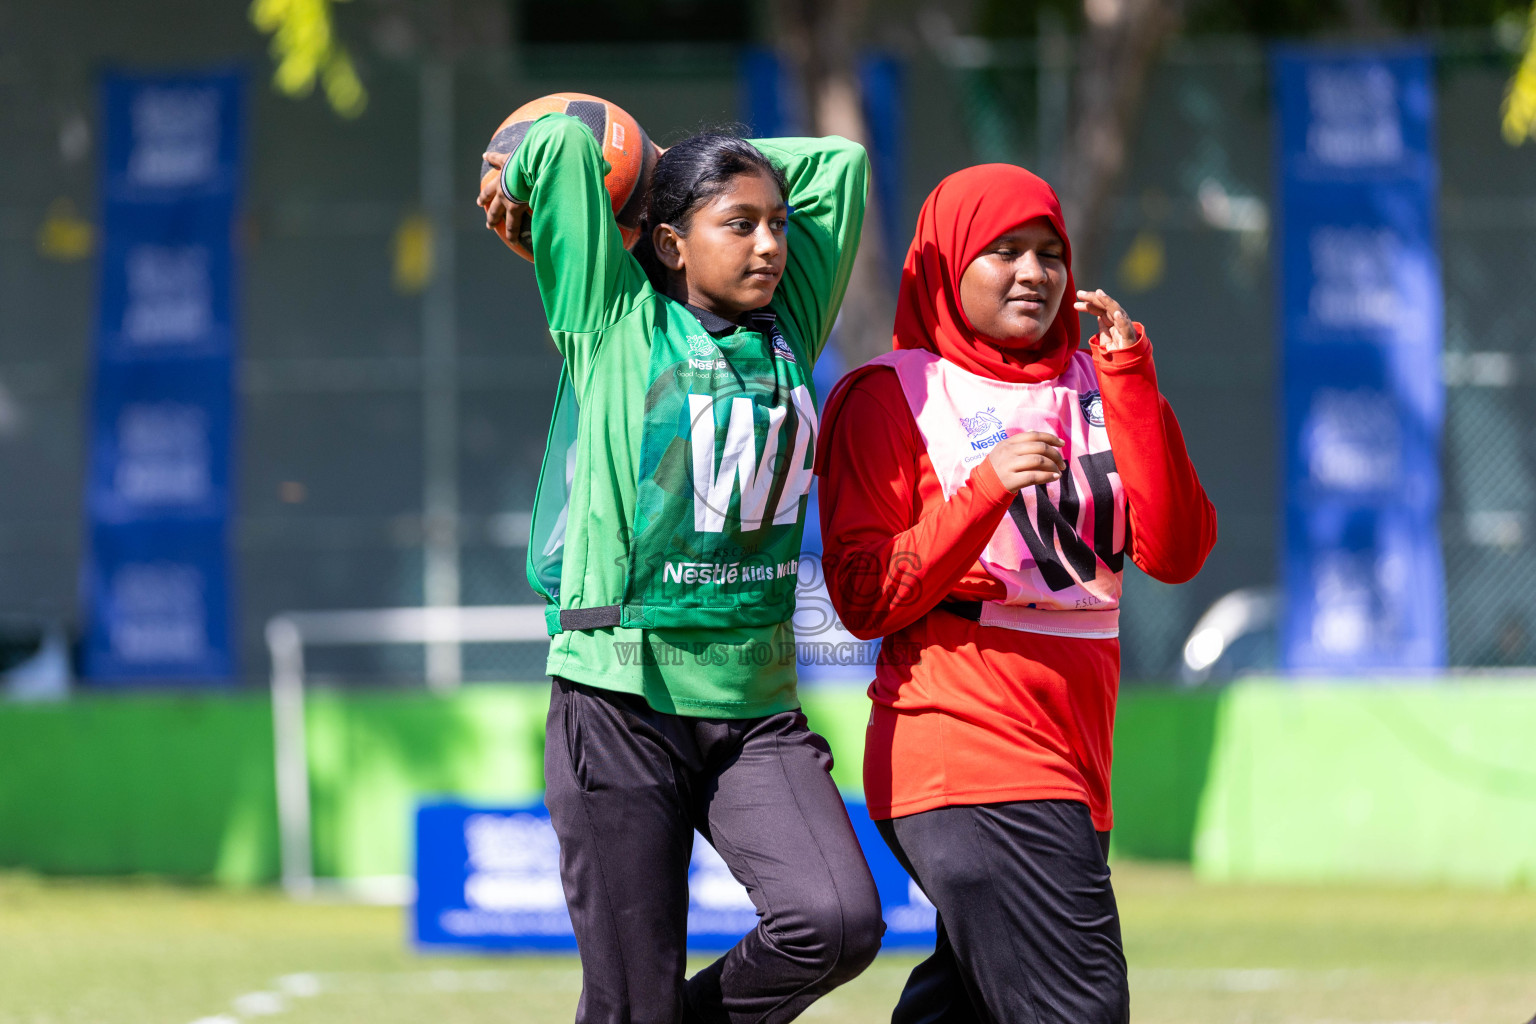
1163, 741
373, 757
840, 715
183, 786
168, 785
1407, 782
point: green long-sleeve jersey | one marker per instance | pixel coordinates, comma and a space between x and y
614, 331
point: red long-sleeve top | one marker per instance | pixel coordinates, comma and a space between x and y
966, 714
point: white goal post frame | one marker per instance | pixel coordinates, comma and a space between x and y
288, 634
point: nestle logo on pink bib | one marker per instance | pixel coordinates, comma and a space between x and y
981, 422
983, 428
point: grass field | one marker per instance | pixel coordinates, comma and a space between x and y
74, 952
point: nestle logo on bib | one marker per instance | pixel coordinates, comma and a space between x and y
704, 353
981, 423
983, 428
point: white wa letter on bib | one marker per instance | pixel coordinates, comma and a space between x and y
740, 462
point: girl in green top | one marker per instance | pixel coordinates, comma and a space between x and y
665, 539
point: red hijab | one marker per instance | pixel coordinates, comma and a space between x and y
961, 216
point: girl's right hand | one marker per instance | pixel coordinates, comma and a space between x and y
1027, 459
502, 215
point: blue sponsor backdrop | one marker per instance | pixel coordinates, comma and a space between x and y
1361, 319
156, 584
489, 879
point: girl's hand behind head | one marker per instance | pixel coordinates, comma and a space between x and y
1013, 289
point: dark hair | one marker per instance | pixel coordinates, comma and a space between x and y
690, 174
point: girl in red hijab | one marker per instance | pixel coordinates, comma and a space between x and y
981, 486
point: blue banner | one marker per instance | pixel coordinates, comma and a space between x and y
1361, 321
489, 879
156, 584
882, 89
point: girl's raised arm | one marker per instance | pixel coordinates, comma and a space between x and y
586, 278
828, 185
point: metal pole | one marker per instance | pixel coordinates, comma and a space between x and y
439, 356
290, 756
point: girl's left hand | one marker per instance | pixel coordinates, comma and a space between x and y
1115, 328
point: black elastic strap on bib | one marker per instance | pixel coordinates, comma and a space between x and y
603, 617
965, 609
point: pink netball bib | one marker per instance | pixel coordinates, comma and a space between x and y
1060, 551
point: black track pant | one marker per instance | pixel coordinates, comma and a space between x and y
626, 787
1028, 930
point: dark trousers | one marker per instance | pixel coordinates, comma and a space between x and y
627, 786
1028, 929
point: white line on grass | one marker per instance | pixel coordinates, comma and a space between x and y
1238, 979
259, 1004
307, 985
299, 986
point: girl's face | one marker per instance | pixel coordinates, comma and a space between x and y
733, 255
1012, 291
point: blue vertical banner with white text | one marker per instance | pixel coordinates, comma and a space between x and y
157, 579
1362, 323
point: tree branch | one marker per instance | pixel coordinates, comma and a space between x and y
1115, 57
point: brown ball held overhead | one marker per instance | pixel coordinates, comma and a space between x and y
630, 154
